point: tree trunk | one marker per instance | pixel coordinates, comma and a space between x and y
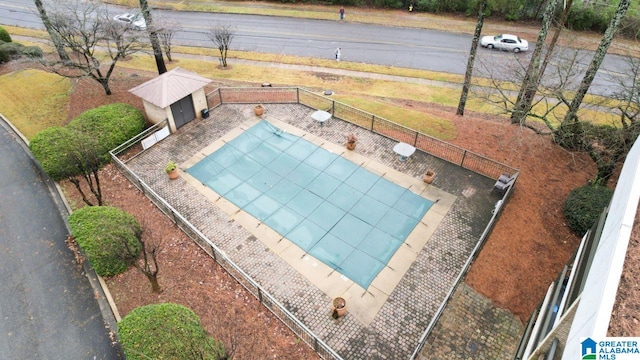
153, 279
532, 77
223, 55
97, 191
606, 166
94, 186
76, 183
592, 70
157, 52
54, 37
554, 40
531, 92
153, 37
105, 85
472, 57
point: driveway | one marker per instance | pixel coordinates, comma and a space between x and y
48, 308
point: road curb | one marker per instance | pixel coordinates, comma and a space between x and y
108, 309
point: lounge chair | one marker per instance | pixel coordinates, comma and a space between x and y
504, 182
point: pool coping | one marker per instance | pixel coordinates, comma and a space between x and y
363, 304
401, 323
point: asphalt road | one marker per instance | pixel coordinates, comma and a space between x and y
373, 44
48, 309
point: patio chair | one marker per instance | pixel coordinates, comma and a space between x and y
504, 182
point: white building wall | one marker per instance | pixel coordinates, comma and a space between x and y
599, 293
154, 113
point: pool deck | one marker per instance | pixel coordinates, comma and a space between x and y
387, 320
364, 304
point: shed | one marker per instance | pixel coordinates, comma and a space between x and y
177, 95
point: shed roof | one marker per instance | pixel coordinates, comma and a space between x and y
170, 87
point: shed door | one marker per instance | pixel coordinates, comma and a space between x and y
183, 111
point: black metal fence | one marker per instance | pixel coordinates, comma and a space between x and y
266, 299
497, 211
428, 144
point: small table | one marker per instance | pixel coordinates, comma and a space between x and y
321, 116
403, 150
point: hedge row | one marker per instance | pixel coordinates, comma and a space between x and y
92, 134
10, 50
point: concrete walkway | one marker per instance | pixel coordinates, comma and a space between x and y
48, 308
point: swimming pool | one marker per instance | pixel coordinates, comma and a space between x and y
345, 216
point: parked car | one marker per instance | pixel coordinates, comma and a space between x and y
505, 42
136, 21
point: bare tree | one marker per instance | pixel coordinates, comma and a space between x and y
607, 145
472, 57
153, 37
627, 95
569, 127
167, 28
532, 78
551, 100
147, 263
62, 53
529, 89
221, 36
87, 31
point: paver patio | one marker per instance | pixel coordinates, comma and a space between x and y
378, 325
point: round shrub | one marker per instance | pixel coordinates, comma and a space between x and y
584, 205
52, 148
101, 232
166, 331
4, 35
111, 124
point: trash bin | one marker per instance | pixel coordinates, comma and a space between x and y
205, 113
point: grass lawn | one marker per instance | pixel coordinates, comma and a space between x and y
34, 100
26, 105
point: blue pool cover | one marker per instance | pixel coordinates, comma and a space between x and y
343, 215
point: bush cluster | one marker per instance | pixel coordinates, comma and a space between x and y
10, 50
584, 205
92, 134
589, 17
166, 331
101, 232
